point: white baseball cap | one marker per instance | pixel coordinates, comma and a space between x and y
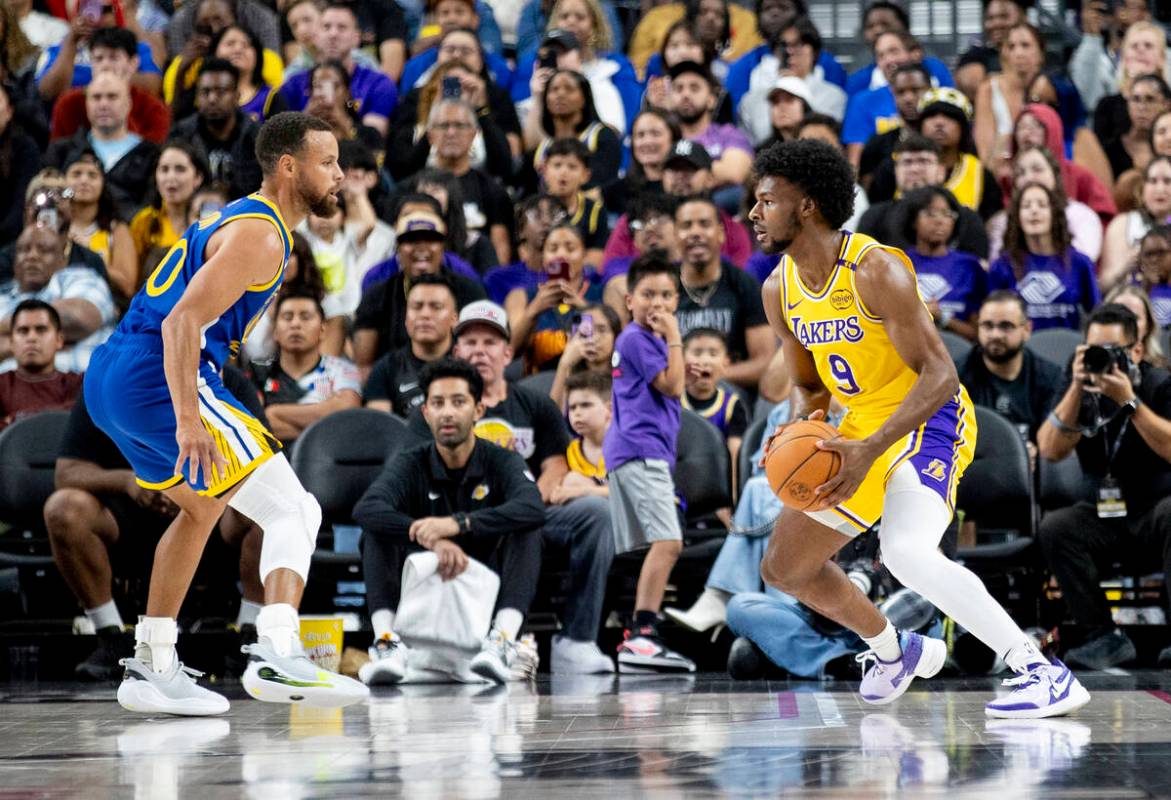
793, 85
483, 312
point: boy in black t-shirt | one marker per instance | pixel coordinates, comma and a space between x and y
564, 171
705, 362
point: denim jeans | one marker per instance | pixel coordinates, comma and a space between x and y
789, 633
737, 567
583, 527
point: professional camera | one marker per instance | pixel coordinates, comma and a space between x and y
1097, 360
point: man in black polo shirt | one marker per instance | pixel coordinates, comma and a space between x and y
393, 385
718, 295
1118, 421
459, 497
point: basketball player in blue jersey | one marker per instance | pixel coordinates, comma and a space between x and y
155, 389
854, 328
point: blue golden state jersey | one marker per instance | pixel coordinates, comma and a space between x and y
222, 338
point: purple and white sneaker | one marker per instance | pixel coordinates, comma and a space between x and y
1044, 690
885, 681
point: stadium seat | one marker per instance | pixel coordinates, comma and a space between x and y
28, 459
752, 439
703, 470
540, 382
1060, 482
997, 491
1055, 345
957, 346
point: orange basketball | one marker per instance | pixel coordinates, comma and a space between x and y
794, 465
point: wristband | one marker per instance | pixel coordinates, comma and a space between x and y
1056, 422
1133, 403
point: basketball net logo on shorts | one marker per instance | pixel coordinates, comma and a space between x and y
827, 331
936, 469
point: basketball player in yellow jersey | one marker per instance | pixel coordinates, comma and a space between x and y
852, 325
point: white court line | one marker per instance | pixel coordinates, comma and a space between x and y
831, 717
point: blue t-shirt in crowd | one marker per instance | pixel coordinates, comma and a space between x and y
417, 67
374, 92
761, 265
499, 281
645, 423
110, 153
956, 281
859, 81
870, 112
1056, 290
83, 72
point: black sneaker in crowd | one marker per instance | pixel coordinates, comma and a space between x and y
235, 662
102, 664
1103, 652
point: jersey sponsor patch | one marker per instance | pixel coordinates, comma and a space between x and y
841, 299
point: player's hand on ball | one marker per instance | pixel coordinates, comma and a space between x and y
857, 457
780, 429
198, 451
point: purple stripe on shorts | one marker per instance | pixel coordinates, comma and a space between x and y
935, 460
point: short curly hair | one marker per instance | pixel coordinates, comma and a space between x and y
818, 169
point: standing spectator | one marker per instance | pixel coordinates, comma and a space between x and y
95, 224
461, 498
952, 283
126, 157
564, 109
191, 19
1117, 422
241, 47
180, 172
1125, 232
80, 296
1002, 374
565, 172
113, 50
640, 454
535, 217
35, 385
1001, 96
1039, 263
983, 57
225, 133
945, 116
374, 93
652, 138
20, 159
393, 385
302, 385
909, 84
70, 64
717, 295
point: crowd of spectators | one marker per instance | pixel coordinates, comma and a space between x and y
556, 188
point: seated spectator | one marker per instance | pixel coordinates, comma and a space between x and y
540, 317
113, 50
579, 29
1116, 421
191, 19
873, 111
71, 64
408, 204
705, 365
330, 100
302, 385
683, 43
1149, 96
802, 44
728, 28
1002, 374
563, 108
393, 385
590, 348
945, 116
1081, 143
496, 138
440, 184
1040, 264
383, 28
533, 21
441, 18
1154, 269
225, 133
1040, 126
258, 98
712, 27
917, 165
301, 276
718, 295
46, 203
423, 500
43, 30
126, 157
1036, 164
535, 217
983, 57
909, 84
652, 221
374, 93
883, 16
1129, 184
380, 321
952, 283
787, 103
1135, 298
302, 19
589, 413
94, 223
1125, 232
179, 174
16, 171
81, 297
686, 173
565, 172
100, 518
1001, 97
1102, 70
826, 129
457, 42
35, 385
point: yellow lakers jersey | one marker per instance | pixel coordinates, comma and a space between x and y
855, 358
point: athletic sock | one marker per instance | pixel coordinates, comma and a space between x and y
248, 612
281, 625
509, 621
886, 644
647, 623
382, 621
105, 616
155, 639
1024, 656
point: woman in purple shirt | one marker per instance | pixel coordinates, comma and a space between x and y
1038, 261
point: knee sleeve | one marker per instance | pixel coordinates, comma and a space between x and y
290, 517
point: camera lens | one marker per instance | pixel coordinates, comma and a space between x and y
1096, 359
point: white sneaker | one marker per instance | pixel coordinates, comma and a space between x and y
294, 678
496, 657
643, 652
388, 662
571, 657
1045, 690
524, 668
710, 610
171, 692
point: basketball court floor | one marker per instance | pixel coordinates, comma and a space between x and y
595, 737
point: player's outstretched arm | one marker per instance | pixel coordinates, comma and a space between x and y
243, 254
809, 393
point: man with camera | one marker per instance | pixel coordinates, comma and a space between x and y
1116, 415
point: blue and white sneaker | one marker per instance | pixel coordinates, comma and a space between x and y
885, 681
1044, 690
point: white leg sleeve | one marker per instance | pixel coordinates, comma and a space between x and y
914, 519
290, 517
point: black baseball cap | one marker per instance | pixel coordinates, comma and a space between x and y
559, 37
691, 67
693, 154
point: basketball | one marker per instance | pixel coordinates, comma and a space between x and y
794, 465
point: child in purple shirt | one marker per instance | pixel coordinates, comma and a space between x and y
639, 451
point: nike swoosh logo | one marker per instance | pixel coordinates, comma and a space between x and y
406, 387
791, 306
641, 649
1061, 686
